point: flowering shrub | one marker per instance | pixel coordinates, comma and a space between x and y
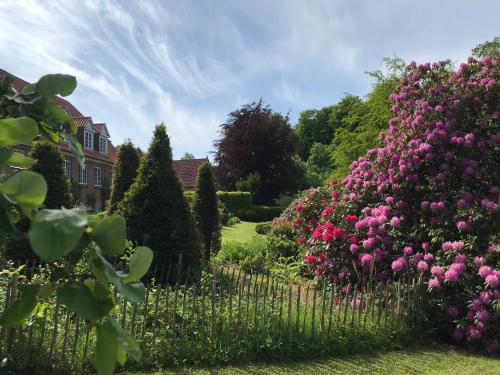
425, 203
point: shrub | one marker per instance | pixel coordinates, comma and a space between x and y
49, 163
233, 220
156, 211
251, 256
124, 174
424, 204
206, 210
251, 183
263, 228
259, 213
235, 200
190, 197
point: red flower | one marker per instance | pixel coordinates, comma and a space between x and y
318, 271
317, 232
322, 258
327, 211
328, 236
354, 240
333, 182
310, 259
338, 233
351, 218
301, 240
335, 194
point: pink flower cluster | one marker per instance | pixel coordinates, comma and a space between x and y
426, 202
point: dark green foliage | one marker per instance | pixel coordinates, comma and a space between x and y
105, 192
489, 48
259, 213
256, 139
263, 228
187, 156
205, 209
49, 163
313, 127
235, 200
190, 197
251, 183
156, 211
75, 191
124, 174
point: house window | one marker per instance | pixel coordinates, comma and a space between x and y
103, 145
82, 174
19, 151
88, 140
97, 176
67, 168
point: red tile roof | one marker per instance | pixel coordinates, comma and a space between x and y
98, 127
187, 170
82, 121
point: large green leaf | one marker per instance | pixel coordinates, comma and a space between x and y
106, 349
56, 84
126, 341
17, 130
79, 299
20, 161
27, 189
134, 292
139, 263
110, 234
54, 233
20, 309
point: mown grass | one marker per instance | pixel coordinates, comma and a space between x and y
431, 360
241, 232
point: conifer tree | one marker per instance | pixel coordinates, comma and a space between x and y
157, 214
123, 175
206, 210
49, 163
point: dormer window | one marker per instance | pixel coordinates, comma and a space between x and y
88, 140
103, 145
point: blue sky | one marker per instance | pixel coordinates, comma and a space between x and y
189, 63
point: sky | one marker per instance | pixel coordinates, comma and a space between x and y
189, 63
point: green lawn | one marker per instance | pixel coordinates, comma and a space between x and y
438, 361
241, 232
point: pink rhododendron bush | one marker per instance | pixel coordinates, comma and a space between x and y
425, 204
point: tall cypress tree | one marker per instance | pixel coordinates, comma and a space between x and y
206, 210
49, 163
124, 174
157, 214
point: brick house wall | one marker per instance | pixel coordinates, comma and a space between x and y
100, 155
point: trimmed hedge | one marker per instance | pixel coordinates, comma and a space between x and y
235, 200
259, 213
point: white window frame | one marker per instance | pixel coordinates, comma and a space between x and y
68, 168
97, 176
19, 151
88, 146
82, 174
103, 141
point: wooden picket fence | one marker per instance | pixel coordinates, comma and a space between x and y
227, 309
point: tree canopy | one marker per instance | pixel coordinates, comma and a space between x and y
256, 139
156, 210
124, 174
